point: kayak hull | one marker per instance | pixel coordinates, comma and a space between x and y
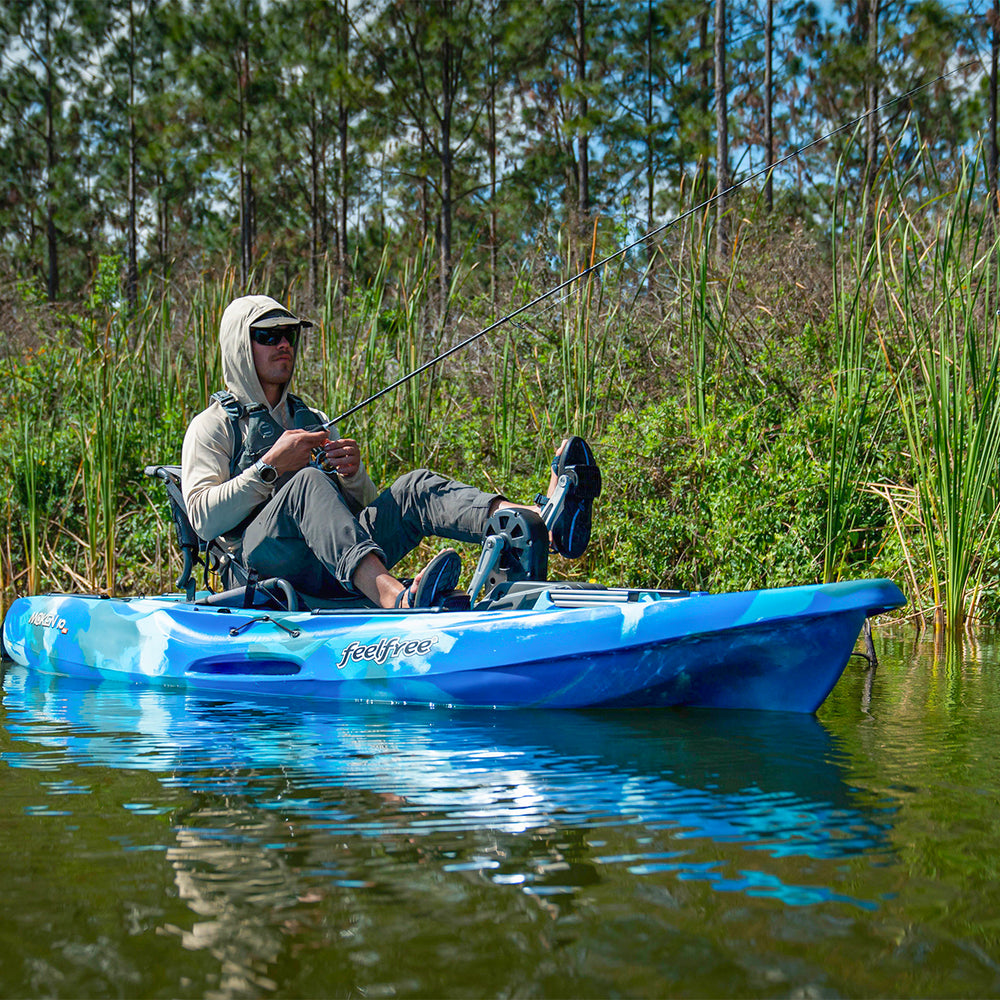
781, 649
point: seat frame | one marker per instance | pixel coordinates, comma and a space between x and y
242, 586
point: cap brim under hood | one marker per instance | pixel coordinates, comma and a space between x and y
238, 369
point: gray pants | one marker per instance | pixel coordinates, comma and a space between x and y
308, 534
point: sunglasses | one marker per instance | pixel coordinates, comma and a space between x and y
272, 336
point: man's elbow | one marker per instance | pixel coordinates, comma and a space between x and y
201, 518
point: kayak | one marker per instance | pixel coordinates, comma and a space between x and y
542, 644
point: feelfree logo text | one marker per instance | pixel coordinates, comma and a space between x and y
386, 649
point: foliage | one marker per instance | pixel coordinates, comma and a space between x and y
821, 404
475, 124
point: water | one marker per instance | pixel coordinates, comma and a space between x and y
157, 844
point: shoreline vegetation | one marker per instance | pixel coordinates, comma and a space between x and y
810, 408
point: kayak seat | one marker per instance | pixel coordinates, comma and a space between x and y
242, 587
195, 550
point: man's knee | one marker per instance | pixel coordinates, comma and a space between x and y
312, 487
310, 480
416, 487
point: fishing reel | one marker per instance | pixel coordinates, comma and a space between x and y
320, 461
515, 547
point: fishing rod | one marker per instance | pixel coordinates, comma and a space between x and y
769, 168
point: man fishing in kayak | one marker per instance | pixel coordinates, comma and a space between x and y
248, 476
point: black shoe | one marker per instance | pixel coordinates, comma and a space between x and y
571, 533
439, 576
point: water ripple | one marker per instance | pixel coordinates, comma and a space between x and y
743, 782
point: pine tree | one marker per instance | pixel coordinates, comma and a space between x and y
429, 52
40, 55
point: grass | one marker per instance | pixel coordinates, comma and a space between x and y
759, 422
949, 392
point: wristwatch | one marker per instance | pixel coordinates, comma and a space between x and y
268, 473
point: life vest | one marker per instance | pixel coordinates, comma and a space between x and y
262, 430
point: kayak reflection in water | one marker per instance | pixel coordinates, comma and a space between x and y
285, 802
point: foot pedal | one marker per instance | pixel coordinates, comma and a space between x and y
515, 547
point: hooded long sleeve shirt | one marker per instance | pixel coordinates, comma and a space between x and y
217, 502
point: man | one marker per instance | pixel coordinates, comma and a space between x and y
247, 477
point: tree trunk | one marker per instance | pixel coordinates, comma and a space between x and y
132, 271
492, 140
52, 282
246, 181
768, 104
159, 176
700, 192
342, 123
342, 182
425, 195
992, 151
650, 178
162, 221
582, 139
447, 99
869, 11
721, 132
315, 211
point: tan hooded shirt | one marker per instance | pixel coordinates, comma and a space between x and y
216, 504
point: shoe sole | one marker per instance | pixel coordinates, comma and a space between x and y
438, 578
572, 537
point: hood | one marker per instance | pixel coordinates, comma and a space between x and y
238, 369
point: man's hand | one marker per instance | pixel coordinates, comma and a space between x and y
344, 455
293, 450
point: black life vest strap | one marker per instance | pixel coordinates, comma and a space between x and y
235, 411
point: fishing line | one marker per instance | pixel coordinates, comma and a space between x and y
593, 268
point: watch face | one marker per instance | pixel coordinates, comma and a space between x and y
268, 473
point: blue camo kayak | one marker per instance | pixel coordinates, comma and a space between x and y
558, 646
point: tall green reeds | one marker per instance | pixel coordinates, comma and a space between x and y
946, 287
380, 331
32, 527
506, 407
38, 472
104, 433
208, 302
914, 329
858, 357
704, 302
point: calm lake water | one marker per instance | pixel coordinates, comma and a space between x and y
157, 844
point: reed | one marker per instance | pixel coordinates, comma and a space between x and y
415, 344
208, 302
104, 431
376, 333
581, 356
858, 356
31, 527
357, 363
506, 408
37, 483
704, 302
946, 287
